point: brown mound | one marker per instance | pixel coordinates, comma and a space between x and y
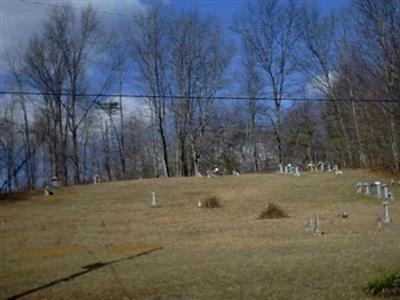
273, 211
210, 202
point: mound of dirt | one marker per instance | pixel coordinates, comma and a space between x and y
273, 211
210, 202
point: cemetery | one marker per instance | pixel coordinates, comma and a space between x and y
104, 241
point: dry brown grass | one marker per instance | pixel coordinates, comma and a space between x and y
223, 253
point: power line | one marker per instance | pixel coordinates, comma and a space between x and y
177, 97
104, 12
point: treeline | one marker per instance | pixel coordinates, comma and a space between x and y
183, 63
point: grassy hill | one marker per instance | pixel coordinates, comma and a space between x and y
216, 253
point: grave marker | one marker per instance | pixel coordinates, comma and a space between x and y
385, 191
359, 188
378, 189
153, 199
386, 217
296, 171
366, 188
54, 182
96, 179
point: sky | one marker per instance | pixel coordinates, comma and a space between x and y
20, 19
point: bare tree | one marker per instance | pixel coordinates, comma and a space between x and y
200, 56
252, 85
379, 27
117, 49
150, 54
268, 28
320, 65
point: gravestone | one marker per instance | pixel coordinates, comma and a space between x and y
96, 179
153, 199
317, 231
310, 225
359, 187
385, 191
366, 188
386, 217
296, 171
280, 168
54, 182
48, 192
343, 214
378, 189
313, 225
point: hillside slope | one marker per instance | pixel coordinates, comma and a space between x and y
218, 253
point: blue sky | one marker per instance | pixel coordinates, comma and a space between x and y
19, 19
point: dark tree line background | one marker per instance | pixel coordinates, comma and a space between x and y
283, 50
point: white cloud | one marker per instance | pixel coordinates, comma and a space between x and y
318, 86
20, 19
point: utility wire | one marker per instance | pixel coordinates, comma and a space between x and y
177, 97
75, 8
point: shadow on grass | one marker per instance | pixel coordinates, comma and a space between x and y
19, 196
87, 269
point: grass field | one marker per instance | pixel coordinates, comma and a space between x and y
218, 253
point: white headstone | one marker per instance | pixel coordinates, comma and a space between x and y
280, 168
359, 187
153, 199
366, 188
386, 217
378, 189
310, 226
54, 182
96, 179
385, 191
296, 171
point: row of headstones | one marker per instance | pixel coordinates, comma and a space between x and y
55, 183
321, 167
313, 227
216, 172
289, 169
376, 189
